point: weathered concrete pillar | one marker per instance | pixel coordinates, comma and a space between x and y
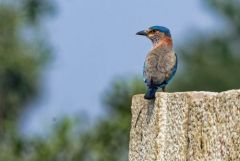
188, 126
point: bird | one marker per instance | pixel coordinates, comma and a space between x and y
161, 61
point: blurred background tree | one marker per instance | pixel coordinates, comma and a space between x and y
210, 62
23, 53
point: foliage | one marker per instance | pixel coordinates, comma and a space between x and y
36, 9
21, 62
212, 62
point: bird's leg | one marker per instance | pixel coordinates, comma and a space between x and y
164, 89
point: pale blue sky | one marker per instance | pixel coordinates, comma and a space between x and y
95, 42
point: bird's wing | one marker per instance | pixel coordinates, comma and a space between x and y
173, 69
167, 64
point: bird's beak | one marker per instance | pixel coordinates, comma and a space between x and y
143, 33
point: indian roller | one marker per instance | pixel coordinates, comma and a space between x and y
161, 62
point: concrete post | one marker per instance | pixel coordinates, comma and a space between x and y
187, 126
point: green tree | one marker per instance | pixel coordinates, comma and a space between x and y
211, 61
106, 140
21, 58
23, 54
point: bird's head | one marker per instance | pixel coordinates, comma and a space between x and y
156, 34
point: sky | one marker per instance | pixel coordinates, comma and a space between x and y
94, 43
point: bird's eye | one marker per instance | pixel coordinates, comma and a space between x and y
151, 31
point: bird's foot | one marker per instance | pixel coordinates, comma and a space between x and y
164, 89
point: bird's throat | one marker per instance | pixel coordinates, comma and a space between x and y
163, 42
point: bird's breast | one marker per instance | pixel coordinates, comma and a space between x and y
159, 65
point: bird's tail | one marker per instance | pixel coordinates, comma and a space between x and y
150, 94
